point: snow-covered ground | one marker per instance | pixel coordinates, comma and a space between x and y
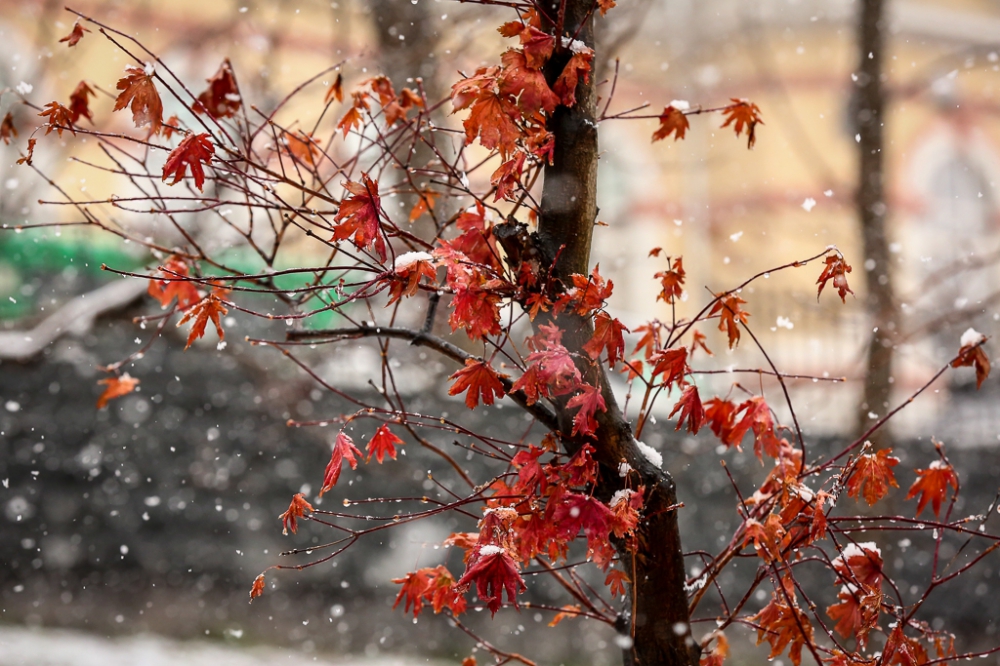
21, 646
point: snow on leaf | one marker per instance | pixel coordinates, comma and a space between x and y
116, 388
222, 97
672, 121
193, 152
860, 564
139, 93
343, 449
382, 444
872, 476
480, 380
296, 509
972, 355
932, 485
492, 575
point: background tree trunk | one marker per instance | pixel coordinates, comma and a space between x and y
659, 630
869, 106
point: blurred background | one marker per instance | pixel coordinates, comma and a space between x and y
133, 533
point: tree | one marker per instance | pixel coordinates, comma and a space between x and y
578, 488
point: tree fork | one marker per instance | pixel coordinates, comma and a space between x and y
660, 629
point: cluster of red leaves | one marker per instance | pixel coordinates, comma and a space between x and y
173, 285
731, 422
432, 585
782, 623
394, 106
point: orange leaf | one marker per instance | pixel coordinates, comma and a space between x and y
382, 444
301, 146
932, 485
59, 118
424, 204
744, 114
480, 380
521, 81
296, 509
607, 335
26, 159
258, 587
492, 120
207, 309
672, 281
194, 152
75, 35
836, 269
336, 90
605, 5
860, 564
569, 611
769, 538
872, 476
782, 625
222, 97
139, 93
578, 66
343, 449
165, 291
116, 388
617, 580
857, 612
718, 653
671, 121
7, 129
671, 363
730, 316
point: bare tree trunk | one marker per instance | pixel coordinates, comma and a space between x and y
660, 629
869, 98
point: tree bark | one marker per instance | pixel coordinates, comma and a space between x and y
659, 631
869, 106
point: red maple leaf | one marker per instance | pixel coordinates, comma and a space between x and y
75, 35
671, 363
165, 290
901, 650
194, 152
480, 380
7, 129
744, 114
730, 316
222, 97
857, 612
425, 203
589, 400
59, 118
507, 177
718, 654
492, 119
757, 416
932, 485
769, 538
672, 281
860, 564
530, 474
382, 444
493, 570
415, 585
79, 106
587, 294
672, 121
139, 93
721, 417
577, 67
296, 509
210, 308
650, 340
782, 625
836, 269
572, 513
872, 476
116, 388
608, 334
972, 354
521, 81
408, 276
353, 118
343, 449
691, 410
359, 215
336, 90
